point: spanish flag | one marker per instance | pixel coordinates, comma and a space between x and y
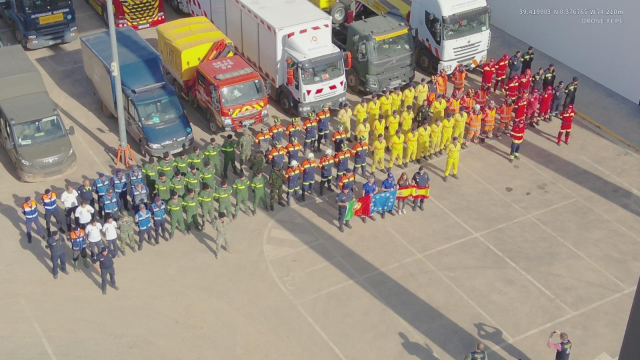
420, 193
404, 192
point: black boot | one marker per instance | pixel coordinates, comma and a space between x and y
329, 188
303, 196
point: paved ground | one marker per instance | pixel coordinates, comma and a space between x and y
505, 255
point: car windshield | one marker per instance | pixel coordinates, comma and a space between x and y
319, 73
390, 47
39, 131
33, 6
159, 111
466, 24
242, 93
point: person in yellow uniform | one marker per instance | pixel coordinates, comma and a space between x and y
436, 136
424, 132
406, 120
344, 117
393, 122
385, 104
362, 130
378, 127
378, 147
396, 99
397, 146
412, 146
408, 95
453, 156
360, 111
459, 122
373, 109
422, 90
447, 131
437, 108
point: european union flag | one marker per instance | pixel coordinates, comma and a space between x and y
382, 202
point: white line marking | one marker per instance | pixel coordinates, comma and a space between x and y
608, 173
38, 330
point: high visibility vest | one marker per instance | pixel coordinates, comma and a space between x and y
308, 170
396, 99
110, 205
136, 177
505, 113
458, 79
453, 105
143, 219
158, 210
481, 98
441, 84
120, 183
378, 127
421, 91
447, 125
385, 103
101, 186
78, 240
489, 116
453, 151
360, 150
378, 147
346, 178
30, 209
407, 96
474, 121
436, 131
292, 174
50, 201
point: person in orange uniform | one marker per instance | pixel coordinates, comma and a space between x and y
338, 138
385, 103
467, 101
422, 90
308, 167
488, 71
545, 105
396, 99
566, 117
424, 133
30, 212
397, 147
501, 73
326, 167
373, 109
276, 155
323, 117
393, 122
453, 104
378, 126
459, 123
437, 108
360, 112
408, 96
378, 147
441, 83
447, 131
458, 78
263, 139
488, 121
294, 129
347, 178
276, 130
475, 121
433, 90
512, 87
505, 115
481, 96
436, 136
517, 137
406, 120
412, 146
342, 161
293, 150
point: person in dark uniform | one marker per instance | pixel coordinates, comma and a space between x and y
478, 353
563, 348
105, 259
85, 192
570, 92
526, 60
342, 199
55, 243
421, 179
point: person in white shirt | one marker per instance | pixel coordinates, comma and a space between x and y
84, 214
70, 200
111, 235
95, 238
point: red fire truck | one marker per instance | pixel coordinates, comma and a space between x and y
138, 14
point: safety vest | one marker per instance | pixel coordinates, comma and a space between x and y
101, 186
143, 219
385, 103
421, 91
441, 84
323, 121
276, 155
120, 183
342, 159
453, 105
407, 96
339, 136
78, 240
505, 113
308, 171
478, 355
436, 131
466, 102
481, 98
458, 79
30, 209
363, 130
474, 121
407, 120
50, 201
110, 204
195, 159
136, 177
460, 120
360, 111
205, 198
378, 127
373, 108
453, 151
139, 195
447, 125
276, 132
158, 210
378, 148
423, 134
293, 148
293, 130
326, 164
393, 123
489, 116
360, 150
292, 174
565, 350
261, 138
346, 178
396, 99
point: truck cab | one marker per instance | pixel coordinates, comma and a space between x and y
40, 23
382, 53
138, 15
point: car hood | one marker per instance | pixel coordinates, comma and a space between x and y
169, 131
47, 154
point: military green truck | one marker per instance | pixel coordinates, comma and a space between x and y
31, 128
381, 48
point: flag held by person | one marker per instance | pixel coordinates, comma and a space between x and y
404, 192
382, 202
420, 192
360, 207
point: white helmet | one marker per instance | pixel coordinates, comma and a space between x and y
328, 152
293, 163
310, 156
476, 107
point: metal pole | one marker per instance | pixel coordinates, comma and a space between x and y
115, 71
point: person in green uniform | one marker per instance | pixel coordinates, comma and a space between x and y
229, 151
195, 158
256, 162
223, 196
190, 204
257, 184
205, 199
192, 179
212, 152
163, 187
174, 207
241, 186
166, 165
206, 175
127, 232
150, 171
181, 163
178, 183
221, 227
276, 180
244, 145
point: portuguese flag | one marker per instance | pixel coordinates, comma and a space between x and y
360, 207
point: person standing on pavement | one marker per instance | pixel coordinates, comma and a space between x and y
55, 243
257, 162
119, 184
166, 166
135, 176
193, 178
292, 175
403, 180
501, 73
323, 118
85, 191
100, 186
177, 183
420, 179
276, 181
570, 92
103, 263
373, 109
527, 60
190, 203
51, 209
84, 214
175, 213
453, 157
537, 80
70, 200
78, 240
360, 151
139, 195
424, 133
110, 203
293, 149
276, 130
229, 153
558, 99
478, 353
244, 145
212, 152
150, 171
388, 184
221, 227
308, 169
207, 206
344, 117
158, 211
294, 130
257, 185
94, 236
369, 188
195, 158
207, 176
223, 196
549, 76
241, 187
143, 219
397, 146
163, 187
360, 111
276, 155
422, 89
563, 348
109, 229
566, 117
515, 64
517, 136
310, 128
181, 164
127, 232
342, 199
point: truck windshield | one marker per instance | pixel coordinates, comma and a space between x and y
385, 48
34, 6
159, 111
319, 73
242, 93
465, 24
39, 131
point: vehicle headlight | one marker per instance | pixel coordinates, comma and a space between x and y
226, 120
372, 82
25, 162
305, 108
265, 112
448, 68
71, 152
32, 36
73, 28
155, 146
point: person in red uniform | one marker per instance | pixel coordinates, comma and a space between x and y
512, 87
480, 98
525, 83
545, 105
501, 73
520, 106
563, 348
517, 136
532, 108
466, 102
488, 71
566, 116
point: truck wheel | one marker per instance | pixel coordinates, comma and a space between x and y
213, 125
19, 38
143, 151
338, 13
175, 6
286, 102
424, 60
106, 110
178, 88
352, 81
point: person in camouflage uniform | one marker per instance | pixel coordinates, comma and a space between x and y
257, 162
190, 204
174, 207
244, 145
181, 163
163, 187
150, 171
207, 175
195, 158
221, 227
212, 153
229, 151
205, 199
276, 180
127, 232
223, 196
257, 184
193, 178
241, 186
166, 165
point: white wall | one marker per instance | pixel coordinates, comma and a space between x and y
608, 53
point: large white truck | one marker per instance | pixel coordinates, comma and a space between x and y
447, 32
289, 43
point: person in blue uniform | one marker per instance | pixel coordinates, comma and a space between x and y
342, 199
100, 186
143, 219
421, 178
388, 185
103, 262
110, 203
158, 209
55, 243
120, 184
